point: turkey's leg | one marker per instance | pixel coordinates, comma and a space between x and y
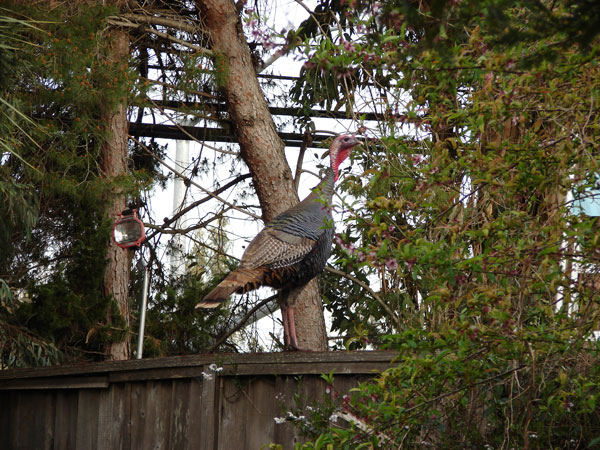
286, 325
290, 339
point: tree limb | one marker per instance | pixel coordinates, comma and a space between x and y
189, 180
197, 203
241, 323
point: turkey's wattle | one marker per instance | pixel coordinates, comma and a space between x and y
292, 249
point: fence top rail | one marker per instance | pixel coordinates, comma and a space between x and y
284, 363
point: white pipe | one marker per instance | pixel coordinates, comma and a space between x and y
140, 343
182, 158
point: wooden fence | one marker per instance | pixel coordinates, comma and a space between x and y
168, 403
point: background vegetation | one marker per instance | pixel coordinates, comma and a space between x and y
468, 212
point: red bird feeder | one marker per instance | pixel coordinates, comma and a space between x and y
128, 230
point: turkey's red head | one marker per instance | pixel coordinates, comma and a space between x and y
340, 149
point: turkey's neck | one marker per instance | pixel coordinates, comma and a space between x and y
324, 189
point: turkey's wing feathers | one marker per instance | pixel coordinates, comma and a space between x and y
275, 248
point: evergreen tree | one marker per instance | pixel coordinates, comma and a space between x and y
55, 233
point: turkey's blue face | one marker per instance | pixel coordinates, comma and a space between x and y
340, 149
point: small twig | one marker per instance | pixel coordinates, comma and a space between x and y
306, 141
462, 388
312, 15
213, 249
184, 131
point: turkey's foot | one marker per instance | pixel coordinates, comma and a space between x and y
294, 348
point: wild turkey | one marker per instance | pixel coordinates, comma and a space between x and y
291, 250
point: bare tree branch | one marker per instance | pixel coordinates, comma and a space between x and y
306, 142
164, 230
197, 203
160, 34
166, 22
241, 323
189, 180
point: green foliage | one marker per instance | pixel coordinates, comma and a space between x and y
174, 325
19, 212
68, 308
463, 222
18, 348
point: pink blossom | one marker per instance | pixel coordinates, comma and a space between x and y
348, 247
391, 264
418, 159
348, 46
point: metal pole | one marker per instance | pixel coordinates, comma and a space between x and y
140, 343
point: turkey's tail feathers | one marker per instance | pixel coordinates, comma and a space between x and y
239, 281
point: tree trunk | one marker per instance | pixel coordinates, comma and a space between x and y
261, 147
113, 163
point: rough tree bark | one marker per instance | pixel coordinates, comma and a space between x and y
113, 163
261, 148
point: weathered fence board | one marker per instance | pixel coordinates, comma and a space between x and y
167, 403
